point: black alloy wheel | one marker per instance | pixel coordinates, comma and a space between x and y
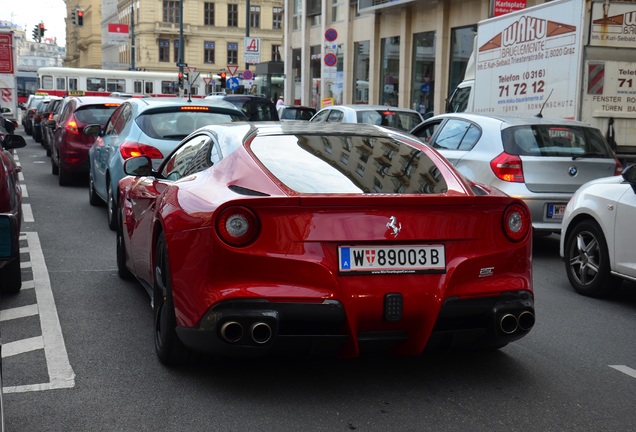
168, 346
122, 270
93, 198
113, 221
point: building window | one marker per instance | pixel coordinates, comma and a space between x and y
171, 11
255, 16
297, 15
208, 52
277, 18
232, 53
176, 51
423, 77
338, 10
232, 15
361, 72
390, 74
208, 14
460, 50
164, 50
276, 53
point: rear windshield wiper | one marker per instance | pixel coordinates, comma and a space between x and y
588, 155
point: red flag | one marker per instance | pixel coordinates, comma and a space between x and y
118, 28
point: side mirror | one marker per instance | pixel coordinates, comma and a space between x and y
92, 130
13, 142
138, 166
629, 175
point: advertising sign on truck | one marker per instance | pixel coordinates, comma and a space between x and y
568, 59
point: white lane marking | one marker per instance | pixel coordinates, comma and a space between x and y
60, 372
25, 193
625, 369
21, 176
27, 213
18, 312
22, 346
25, 264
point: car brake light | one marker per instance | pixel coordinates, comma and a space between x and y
194, 108
50, 116
237, 226
130, 149
508, 168
618, 169
71, 126
516, 222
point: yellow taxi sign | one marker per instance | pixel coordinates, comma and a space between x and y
41, 93
76, 93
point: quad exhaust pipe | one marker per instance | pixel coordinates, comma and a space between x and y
510, 323
259, 332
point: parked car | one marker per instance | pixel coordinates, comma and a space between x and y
148, 126
597, 241
69, 149
254, 238
256, 108
398, 118
37, 120
542, 161
295, 112
46, 130
10, 214
29, 112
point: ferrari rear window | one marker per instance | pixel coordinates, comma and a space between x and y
555, 140
348, 164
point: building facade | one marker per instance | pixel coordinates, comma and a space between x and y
409, 53
30, 54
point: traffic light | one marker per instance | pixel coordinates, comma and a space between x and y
36, 33
180, 80
186, 77
74, 16
223, 76
41, 30
80, 17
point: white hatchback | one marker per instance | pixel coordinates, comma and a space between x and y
597, 241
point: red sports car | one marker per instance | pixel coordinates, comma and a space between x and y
295, 237
10, 214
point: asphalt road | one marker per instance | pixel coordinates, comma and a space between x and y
79, 354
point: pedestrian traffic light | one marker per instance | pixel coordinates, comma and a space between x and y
41, 29
223, 76
80, 17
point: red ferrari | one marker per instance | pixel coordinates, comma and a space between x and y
305, 238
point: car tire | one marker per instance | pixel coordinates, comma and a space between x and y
122, 270
93, 198
55, 170
11, 277
587, 261
111, 213
169, 348
65, 177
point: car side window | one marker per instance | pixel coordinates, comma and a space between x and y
426, 132
335, 116
321, 116
121, 122
110, 126
66, 113
452, 134
191, 157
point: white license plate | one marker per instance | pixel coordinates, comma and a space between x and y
392, 259
556, 211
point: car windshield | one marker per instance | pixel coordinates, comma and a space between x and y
335, 164
177, 124
297, 113
95, 114
403, 120
555, 140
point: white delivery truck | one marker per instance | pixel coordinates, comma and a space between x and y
8, 83
571, 59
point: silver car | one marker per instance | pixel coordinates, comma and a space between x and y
542, 161
382, 115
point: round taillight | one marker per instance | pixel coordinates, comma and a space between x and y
237, 226
516, 222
